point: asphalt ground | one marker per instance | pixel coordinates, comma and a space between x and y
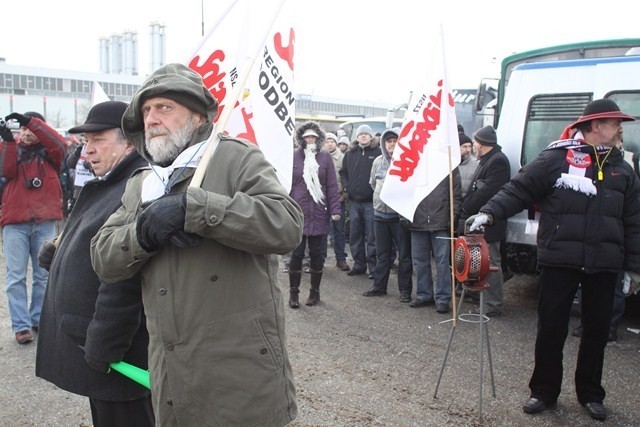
373, 361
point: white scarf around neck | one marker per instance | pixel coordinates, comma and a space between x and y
155, 184
310, 174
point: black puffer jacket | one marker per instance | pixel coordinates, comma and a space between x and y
589, 233
356, 171
493, 172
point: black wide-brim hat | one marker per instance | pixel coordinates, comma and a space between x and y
102, 116
601, 109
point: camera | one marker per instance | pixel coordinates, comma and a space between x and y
33, 183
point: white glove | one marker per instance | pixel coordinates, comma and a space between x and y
478, 221
335, 217
631, 282
626, 284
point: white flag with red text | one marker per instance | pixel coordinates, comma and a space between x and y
250, 49
427, 143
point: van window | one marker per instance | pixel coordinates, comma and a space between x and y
629, 103
547, 116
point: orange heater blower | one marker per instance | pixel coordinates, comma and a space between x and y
472, 263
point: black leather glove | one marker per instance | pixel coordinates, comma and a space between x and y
45, 256
21, 118
162, 224
98, 366
6, 134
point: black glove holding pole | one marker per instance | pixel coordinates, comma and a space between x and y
162, 224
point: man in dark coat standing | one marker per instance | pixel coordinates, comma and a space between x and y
492, 173
355, 175
87, 323
589, 202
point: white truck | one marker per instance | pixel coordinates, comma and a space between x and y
542, 91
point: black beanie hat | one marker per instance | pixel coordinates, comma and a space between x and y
464, 139
486, 136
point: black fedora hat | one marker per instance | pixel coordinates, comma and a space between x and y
601, 109
102, 116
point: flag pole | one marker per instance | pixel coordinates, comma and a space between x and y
139, 375
451, 245
198, 175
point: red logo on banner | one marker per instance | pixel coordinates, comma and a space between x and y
420, 132
285, 52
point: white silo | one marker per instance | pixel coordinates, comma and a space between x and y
115, 54
129, 53
103, 43
157, 45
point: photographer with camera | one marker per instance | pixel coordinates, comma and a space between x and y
31, 205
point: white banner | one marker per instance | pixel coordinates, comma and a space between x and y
427, 142
248, 32
98, 94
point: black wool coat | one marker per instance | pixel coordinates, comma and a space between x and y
492, 173
79, 309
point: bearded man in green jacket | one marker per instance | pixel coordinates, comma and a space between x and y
206, 258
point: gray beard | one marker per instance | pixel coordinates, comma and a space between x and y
165, 149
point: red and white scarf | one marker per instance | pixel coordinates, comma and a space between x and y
578, 171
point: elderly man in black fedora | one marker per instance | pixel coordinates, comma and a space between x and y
589, 230
87, 323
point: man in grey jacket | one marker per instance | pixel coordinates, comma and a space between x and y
205, 255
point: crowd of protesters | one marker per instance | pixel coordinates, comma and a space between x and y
144, 238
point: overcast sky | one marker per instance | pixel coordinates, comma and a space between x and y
351, 49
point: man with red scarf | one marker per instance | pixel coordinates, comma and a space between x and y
589, 200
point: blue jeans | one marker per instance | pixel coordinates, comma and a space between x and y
388, 232
336, 235
423, 244
361, 233
22, 241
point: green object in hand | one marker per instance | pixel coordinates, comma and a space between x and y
134, 373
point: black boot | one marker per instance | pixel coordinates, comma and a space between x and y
314, 293
294, 288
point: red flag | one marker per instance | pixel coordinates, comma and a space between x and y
428, 145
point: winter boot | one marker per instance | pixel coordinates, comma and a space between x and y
314, 293
294, 288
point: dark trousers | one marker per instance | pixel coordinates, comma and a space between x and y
132, 413
557, 289
387, 232
316, 263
